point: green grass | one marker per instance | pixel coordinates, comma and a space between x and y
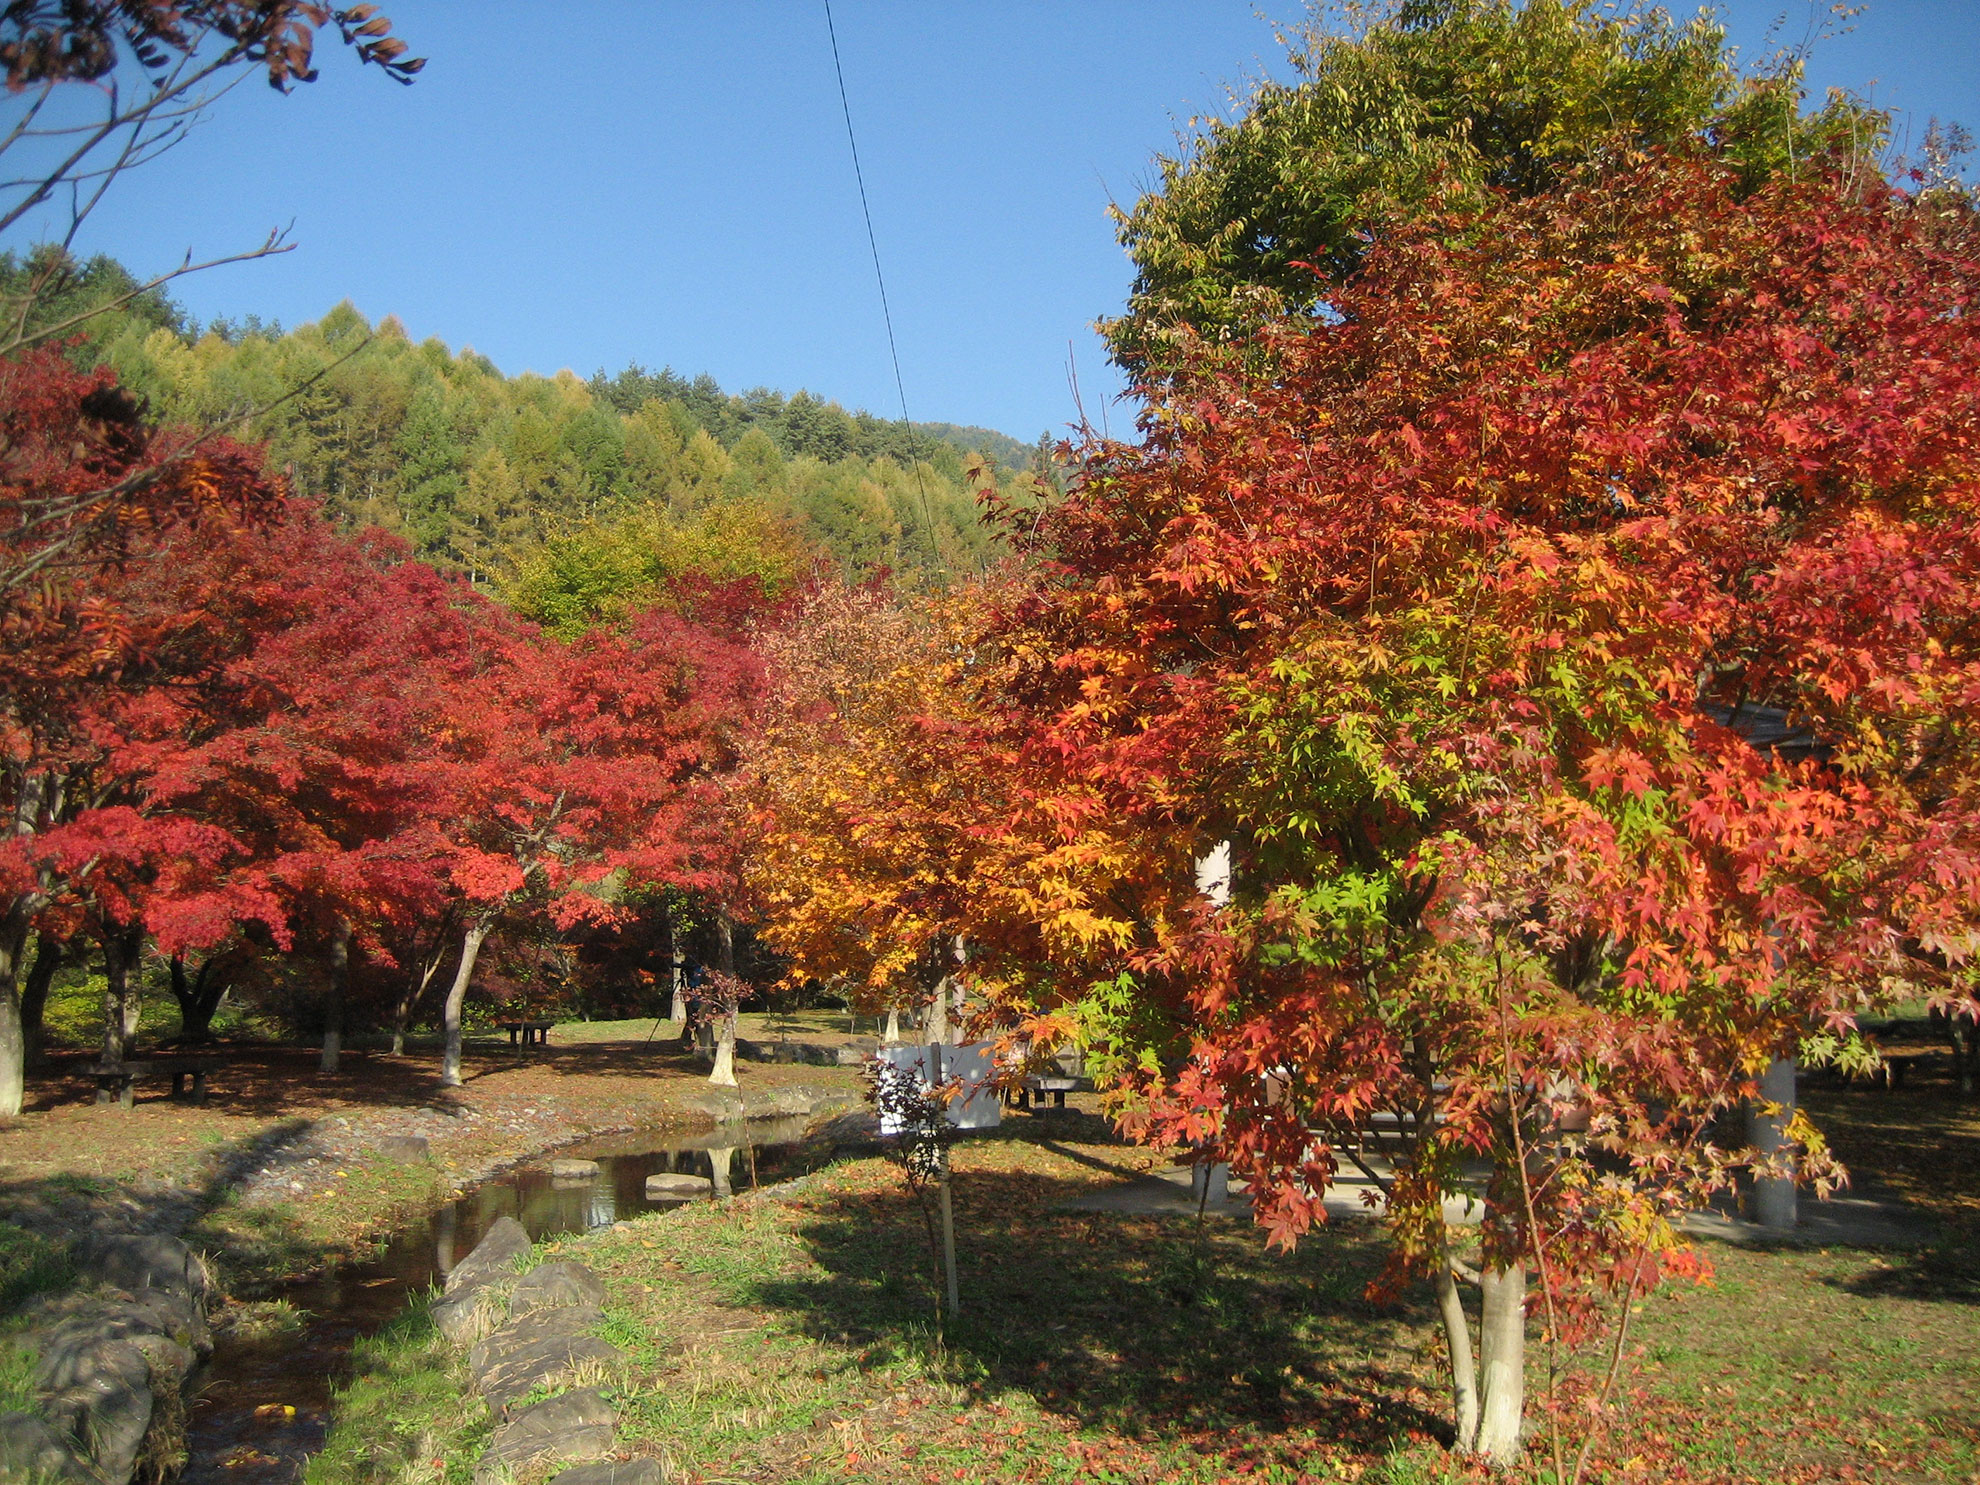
796, 1341
16, 1377
30, 1265
407, 1407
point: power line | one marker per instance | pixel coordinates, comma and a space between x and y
886, 311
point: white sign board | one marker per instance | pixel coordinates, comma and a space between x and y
973, 1064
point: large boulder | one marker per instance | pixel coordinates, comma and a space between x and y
100, 1391
143, 1260
576, 1425
478, 1289
31, 1450
560, 1324
550, 1286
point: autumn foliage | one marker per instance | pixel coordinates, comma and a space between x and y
1574, 640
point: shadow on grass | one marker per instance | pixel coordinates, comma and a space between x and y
1948, 1272
239, 1241
1151, 1327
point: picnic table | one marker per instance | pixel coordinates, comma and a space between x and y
527, 1033
117, 1081
1037, 1086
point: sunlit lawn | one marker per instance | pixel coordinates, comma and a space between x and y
796, 1341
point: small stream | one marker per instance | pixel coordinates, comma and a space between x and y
266, 1404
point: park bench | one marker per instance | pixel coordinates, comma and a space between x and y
527, 1033
117, 1081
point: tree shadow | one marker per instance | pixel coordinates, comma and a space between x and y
1947, 1272
1169, 1328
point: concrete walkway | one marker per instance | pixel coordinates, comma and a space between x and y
1167, 1193
1862, 1221
1858, 1221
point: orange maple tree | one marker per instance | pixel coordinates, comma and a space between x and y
864, 794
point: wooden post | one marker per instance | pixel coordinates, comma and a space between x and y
948, 1214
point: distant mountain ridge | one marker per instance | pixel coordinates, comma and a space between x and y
802, 425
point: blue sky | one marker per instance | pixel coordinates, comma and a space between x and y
597, 183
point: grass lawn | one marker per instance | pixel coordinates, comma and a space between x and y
67, 1159
794, 1340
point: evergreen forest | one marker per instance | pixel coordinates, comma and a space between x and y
572, 500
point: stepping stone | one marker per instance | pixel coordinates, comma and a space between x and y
494, 1257
678, 1186
543, 1348
646, 1470
410, 1148
550, 1285
573, 1170
563, 1324
472, 1310
577, 1425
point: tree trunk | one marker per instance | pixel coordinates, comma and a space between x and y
1502, 1365
1772, 1202
340, 979
450, 1056
122, 942
415, 993
724, 1072
936, 1027
720, 1159
1457, 1336
677, 967
13, 1046
199, 998
48, 954
893, 1033
726, 932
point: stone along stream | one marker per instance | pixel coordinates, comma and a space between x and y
266, 1403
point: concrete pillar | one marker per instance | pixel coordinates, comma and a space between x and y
1212, 1177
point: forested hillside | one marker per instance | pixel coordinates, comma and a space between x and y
569, 498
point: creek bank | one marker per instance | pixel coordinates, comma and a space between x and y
528, 1334
114, 1366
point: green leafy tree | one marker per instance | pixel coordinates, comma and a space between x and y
1400, 100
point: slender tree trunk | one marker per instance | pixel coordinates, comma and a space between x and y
893, 1033
13, 1045
340, 979
677, 1010
450, 1056
1502, 1365
121, 946
1772, 1202
720, 1161
48, 954
936, 1027
1457, 1335
724, 1071
415, 993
